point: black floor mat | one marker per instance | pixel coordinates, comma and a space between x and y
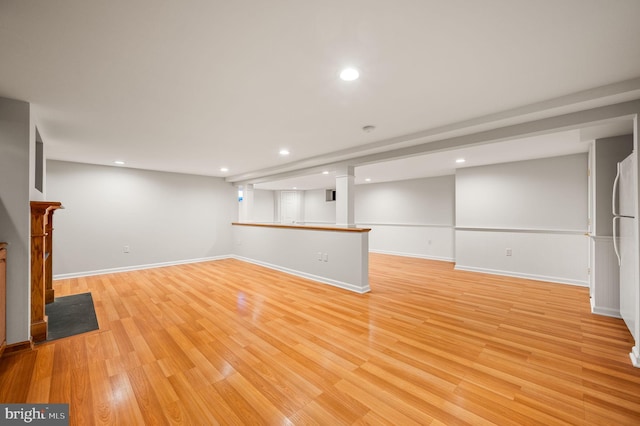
70, 315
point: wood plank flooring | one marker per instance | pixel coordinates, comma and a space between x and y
228, 342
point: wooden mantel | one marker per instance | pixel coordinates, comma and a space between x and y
41, 264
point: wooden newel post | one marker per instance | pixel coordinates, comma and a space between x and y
41, 264
49, 293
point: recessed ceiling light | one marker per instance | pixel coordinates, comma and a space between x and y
284, 152
367, 180
349, 74
295, 187
119, 162
325, 172
224, 169
460, 160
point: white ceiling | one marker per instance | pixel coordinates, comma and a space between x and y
193, 86
444, 163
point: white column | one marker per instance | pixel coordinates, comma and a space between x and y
344, 197
246, 205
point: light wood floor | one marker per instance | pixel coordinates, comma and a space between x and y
232, 343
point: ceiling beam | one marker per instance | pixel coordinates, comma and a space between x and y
569, 121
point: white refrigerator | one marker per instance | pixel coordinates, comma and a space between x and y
625, 244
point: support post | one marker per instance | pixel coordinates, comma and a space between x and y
345, 197
41, 246
49, 292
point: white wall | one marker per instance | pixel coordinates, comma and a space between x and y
545, 256
316, 209
416, 201
635, 351
605, 277
536, 208
263, 206
409, 218
605, 272
164, 218
338, 258
548, 193
17, 135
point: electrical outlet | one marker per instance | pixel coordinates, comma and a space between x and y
125, 249
509, 252
325, 257
319, 256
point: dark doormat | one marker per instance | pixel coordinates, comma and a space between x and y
70, 315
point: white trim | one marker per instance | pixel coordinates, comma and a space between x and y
418, 225
524, 230
315, 222
580, 283
411, 225
335, 283
607, 312
137, 267
419, 256
601, 238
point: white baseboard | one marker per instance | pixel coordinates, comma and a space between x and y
415, 255
579, 283
607, 312
335, 283
137, 267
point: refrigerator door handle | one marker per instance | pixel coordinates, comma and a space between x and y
614, 196
615, 243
